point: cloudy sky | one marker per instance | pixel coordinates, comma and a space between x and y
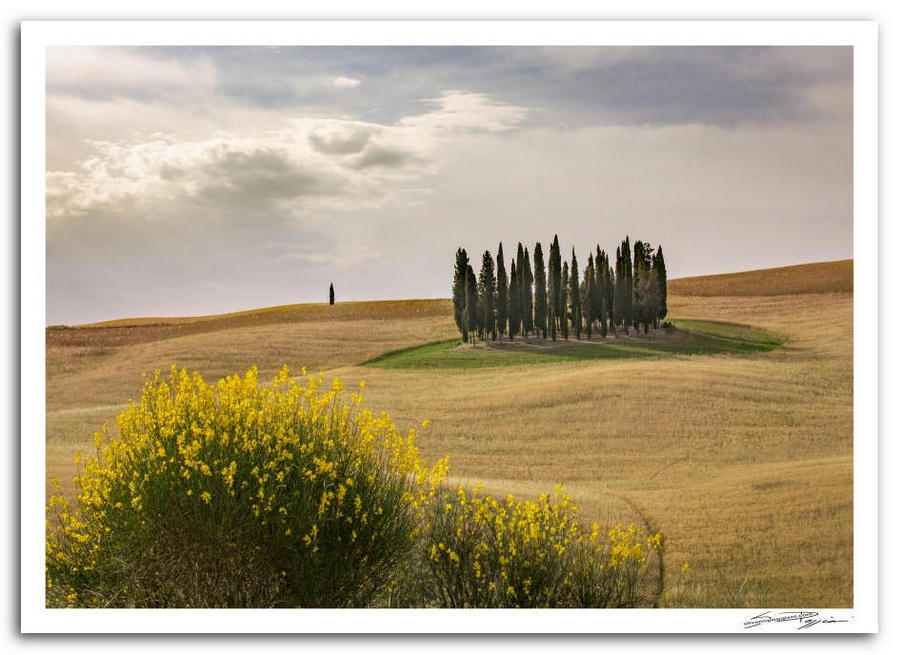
186, 181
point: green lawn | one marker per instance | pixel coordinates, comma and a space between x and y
693, 338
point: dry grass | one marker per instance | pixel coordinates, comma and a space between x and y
743, 462
308, 312
821, 277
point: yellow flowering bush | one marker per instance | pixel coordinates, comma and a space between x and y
481, 552
239, 494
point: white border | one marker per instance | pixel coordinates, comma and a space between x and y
36, 36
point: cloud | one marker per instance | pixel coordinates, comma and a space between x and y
341, 138
305, 166
216, 179
461, 110
120, 72
224, 174
329, 258
385, 157
340, 82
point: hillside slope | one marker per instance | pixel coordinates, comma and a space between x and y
821, 277
744, 462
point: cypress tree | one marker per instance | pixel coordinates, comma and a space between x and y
486, 292
553, 287
588, 294
514, 297
575, 296
597, 298
637, 279
598, 278
659, 268
459, 292
618, 308
610, 290
502, 292
603, 283
528, 300
605, 304
540, 292
331, 293
563, 299
520, 278
592, 314
601, 279
628, 287
471, 303
646, 287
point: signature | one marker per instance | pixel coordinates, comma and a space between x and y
806, 619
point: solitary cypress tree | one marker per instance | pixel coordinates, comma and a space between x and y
471, 303
540, 292
459, 292
588, 295
331, 293
659, 268
502, 292
486, 292
575, 296
514, 298
564, 299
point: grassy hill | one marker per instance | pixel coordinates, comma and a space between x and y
743, 462
821, 277
688, 337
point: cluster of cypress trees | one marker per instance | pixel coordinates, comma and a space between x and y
559, 299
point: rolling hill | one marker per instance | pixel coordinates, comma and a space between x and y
744, 461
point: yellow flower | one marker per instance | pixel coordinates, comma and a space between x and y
270, 447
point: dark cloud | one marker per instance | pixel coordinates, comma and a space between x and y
384, 157
577, 86
347, 142
263, 175
574, 85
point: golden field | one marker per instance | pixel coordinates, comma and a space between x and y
819, 277
743, 462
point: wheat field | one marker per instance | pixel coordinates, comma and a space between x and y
743, 462
818, 277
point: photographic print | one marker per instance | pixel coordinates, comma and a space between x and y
450, 326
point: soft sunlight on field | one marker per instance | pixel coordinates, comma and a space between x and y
743, 462
821, 277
